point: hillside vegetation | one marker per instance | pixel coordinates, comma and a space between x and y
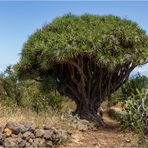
33, 105
74, 74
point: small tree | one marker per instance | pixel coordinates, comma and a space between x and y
86, 57
11, 88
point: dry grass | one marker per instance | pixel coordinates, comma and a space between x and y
59, 119
62, 119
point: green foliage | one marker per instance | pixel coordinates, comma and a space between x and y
137, 82
55, 101
134, 97
40, 102
135, 114
115, 98
48, 84
130, 88
34, 99
11, 89
113, 41
26, 93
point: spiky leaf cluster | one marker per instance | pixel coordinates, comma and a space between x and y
110, 40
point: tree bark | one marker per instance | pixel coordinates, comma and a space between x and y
89, 84
90, 113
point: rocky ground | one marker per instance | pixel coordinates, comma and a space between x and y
28, 135
108, 137
111, 136
81, 134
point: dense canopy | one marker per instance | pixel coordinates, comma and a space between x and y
87, 57
111, 39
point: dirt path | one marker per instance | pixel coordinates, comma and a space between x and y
108, 137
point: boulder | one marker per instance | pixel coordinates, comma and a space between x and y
18, 139
10, 142
38, 142
7, 132
30, 126
48, 134
32, 135
20, 135
83, 125
26, 135
30, 140
22, 143
15, 127
47, 126
39, 133
27, 144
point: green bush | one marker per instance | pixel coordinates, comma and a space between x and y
55, 101
28, 94
134, 97
128, 89
39, 101
135, 114
42, 102
115, 98
136, 82
10, 88
35, 100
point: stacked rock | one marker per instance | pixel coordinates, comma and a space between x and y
28, 135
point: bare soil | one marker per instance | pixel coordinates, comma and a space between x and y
109, 137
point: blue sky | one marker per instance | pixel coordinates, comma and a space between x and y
21, 19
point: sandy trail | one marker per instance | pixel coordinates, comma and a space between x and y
108, 137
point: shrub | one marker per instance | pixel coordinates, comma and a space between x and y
55, 100
135, 114
11, 89
36, 101
26, 93
39, 101
134, 98
128, 89
43, 102
136, 82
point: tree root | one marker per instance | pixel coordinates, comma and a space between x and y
94, 118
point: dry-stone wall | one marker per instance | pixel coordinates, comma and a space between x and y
28, 135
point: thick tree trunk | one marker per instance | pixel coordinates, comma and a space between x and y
89, 84
89, 112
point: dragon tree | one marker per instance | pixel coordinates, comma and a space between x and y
85, 58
